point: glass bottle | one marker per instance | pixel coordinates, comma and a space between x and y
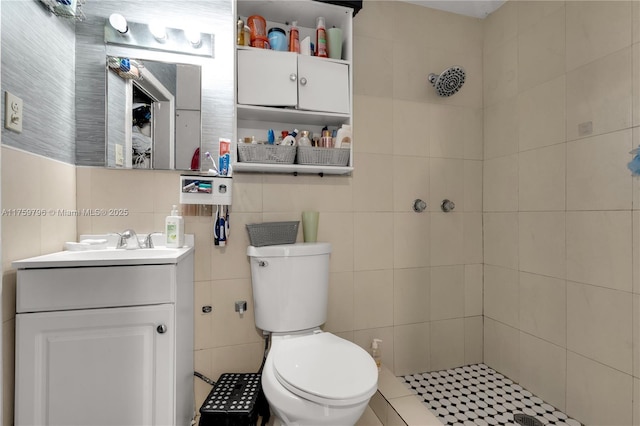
304, 139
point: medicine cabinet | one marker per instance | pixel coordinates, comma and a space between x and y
285, 90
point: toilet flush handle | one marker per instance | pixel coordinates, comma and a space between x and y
263, 263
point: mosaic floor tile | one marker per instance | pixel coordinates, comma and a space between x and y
477, 395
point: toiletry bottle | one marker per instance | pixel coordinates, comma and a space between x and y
294, 38
247, 35
240, 32
321, 38
326, 141
174, 229
283, 134
343, 137
304, 139
376, 352
289, 140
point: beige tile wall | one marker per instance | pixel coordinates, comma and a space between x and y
40, 184
435, 146
561, 232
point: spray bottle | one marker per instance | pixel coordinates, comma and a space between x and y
294, 38
376, 352
321, 38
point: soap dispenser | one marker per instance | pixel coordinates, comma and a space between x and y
376, 352
174, 229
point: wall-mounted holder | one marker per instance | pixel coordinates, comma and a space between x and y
196, 189
241, 306
66, 8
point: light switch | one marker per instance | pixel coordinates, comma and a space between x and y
12, 112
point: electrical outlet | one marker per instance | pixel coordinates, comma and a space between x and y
119, 155
12, 112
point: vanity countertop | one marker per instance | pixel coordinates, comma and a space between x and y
106, 257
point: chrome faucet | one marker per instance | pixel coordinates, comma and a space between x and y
148, 240
125, 237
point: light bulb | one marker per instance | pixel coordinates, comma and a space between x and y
119, 23
158, 31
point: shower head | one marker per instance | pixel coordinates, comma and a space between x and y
449, 82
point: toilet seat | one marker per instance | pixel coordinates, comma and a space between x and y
325, 369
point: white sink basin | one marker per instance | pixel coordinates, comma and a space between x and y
154, 256
120, 254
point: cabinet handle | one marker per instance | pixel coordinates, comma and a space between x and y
303, 81
162, 329
293, 77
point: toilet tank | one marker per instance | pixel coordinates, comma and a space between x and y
290, 285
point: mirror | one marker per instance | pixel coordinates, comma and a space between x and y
99, 129
153, 108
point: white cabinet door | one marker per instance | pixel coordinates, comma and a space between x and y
272, 78
267, 78
323, 85
95, 367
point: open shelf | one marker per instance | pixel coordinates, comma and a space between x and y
290, 115
291, 168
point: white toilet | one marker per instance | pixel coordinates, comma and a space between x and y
310, 377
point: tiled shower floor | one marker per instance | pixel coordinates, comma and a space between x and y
478, 395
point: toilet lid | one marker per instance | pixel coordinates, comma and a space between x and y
325, 368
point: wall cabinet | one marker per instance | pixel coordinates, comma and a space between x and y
285, 90
291, 80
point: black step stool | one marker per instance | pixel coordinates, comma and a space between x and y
235, 400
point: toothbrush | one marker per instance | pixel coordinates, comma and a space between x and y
216, 237
214, 170
221, 227
226, 223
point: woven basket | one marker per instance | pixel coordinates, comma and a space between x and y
272, 233
323, 156
264, 153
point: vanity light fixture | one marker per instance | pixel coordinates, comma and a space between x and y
159, 31
155, 36
119, 23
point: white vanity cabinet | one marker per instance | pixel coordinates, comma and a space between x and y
105, 345
286, 90
288, 79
